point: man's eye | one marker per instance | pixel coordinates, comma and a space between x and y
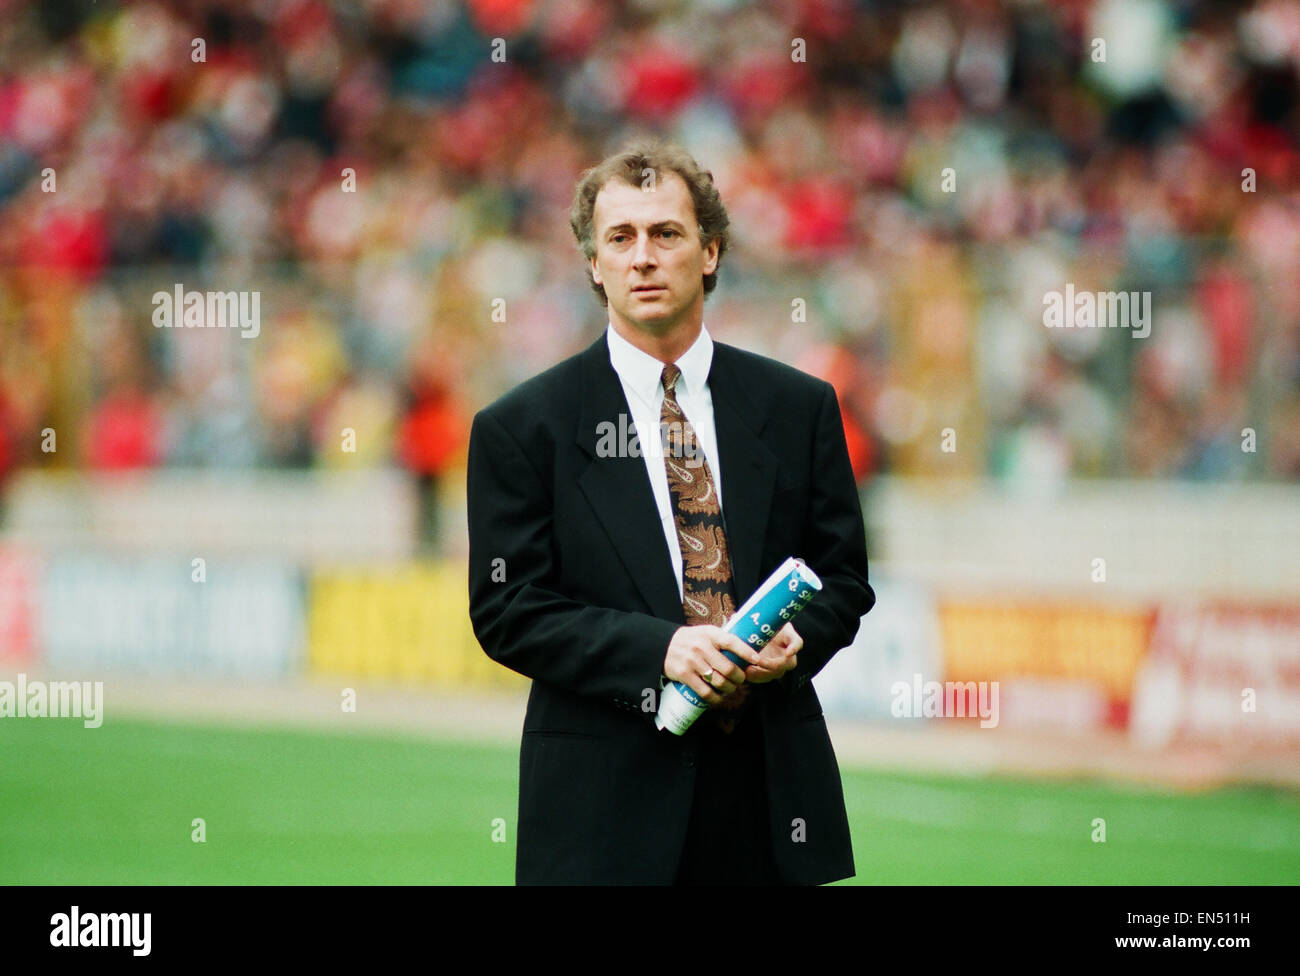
667, 232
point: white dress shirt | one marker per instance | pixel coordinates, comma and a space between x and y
640, 373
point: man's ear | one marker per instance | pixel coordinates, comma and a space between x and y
711, 256
595, 273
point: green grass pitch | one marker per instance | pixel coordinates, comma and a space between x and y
115, 805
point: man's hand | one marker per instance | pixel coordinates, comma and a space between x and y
777, 657
694, 658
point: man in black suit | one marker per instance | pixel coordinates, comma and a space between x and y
602, 565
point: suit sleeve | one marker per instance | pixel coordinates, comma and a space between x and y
519, 617
835, 547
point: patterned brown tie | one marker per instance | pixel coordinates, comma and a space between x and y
708, 596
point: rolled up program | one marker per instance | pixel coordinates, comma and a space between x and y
773, 605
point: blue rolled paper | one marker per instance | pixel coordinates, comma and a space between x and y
773, 605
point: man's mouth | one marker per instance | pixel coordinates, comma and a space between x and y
642, 289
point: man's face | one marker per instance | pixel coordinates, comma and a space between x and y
648, 254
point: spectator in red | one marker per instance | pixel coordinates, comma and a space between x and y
125, 430
431, 437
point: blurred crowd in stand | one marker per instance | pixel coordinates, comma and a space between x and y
906, 182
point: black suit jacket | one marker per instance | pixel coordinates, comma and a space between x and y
571, 584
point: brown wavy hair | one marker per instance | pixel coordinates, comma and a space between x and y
630, 166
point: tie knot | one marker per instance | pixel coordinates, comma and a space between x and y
669, 377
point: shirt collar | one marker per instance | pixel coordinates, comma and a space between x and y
642, 372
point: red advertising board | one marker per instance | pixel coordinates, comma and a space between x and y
18, 575
1221, 673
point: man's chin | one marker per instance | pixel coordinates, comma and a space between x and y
651, 322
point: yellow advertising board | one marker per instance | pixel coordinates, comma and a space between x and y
985, 641
408, 622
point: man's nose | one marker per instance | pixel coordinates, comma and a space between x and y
643, 253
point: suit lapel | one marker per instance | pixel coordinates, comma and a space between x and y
619, 493
618, 490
